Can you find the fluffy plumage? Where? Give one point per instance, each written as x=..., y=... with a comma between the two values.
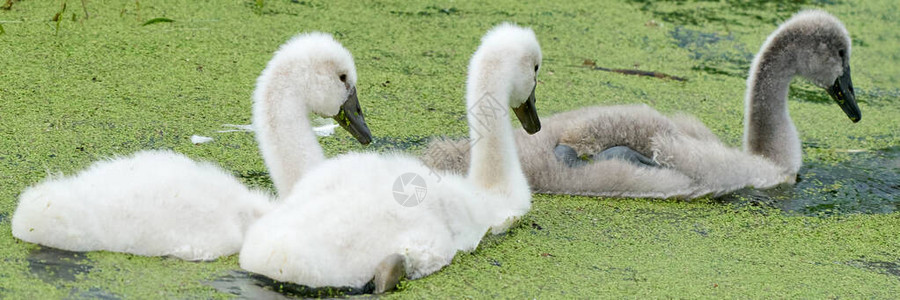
x=162, y=203
x=152, y=203
x=694, y=161
x=812, y=44
x=302, y=78
x=342, y=219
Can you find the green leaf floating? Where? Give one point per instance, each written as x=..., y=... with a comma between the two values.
x=158, y=20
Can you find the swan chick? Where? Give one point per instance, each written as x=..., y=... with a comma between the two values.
x=151, y=203
x=309, y=74
x=349, y=221
x=812, y=44
x=634, y=151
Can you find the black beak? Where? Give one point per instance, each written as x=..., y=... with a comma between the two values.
x=842, y=93
x=527, y=115
x=351, y=119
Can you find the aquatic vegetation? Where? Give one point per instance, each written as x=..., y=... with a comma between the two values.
x=106, y=85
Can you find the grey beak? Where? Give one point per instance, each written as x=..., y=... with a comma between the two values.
x=842, y=93
x=527, y=115
x=351, y=118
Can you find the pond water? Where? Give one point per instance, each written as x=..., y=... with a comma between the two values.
x=868, y=182
x=56, y=267
x=253, y=286
x=51, y=265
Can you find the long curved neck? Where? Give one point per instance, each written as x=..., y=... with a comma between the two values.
x=768, y=129
x=285, y=136
x=494, y=164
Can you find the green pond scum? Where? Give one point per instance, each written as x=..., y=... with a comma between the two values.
x=86, y=80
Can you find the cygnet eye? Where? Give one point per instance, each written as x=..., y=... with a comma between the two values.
x=841, y=53
x=343, y=77
x=536, y=68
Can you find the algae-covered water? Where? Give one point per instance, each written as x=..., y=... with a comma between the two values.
x=88, y=80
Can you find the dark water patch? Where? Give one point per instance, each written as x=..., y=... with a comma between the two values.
x=877, y=96
x=716, y=53
x=504, y=13
x=254, y=286
x=811, y=93
x=871, y=138
x=260, y=8
x=429, y=11
x=626, y=274
x=378, y=144
x=867, y=182
x=728, y=13
x=686, y=38
x=721, y=54
x=702, y=231
x=91, y=293
x=310, y=4
x=673, y=218
x=405, y=143
x=52, y=265
x=259, y=179
x=883, y=267
x=872, y=96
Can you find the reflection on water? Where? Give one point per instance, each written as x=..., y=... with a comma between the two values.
x=51, y=264
x=238, y=283
x=254, y=286
x=54, y=265
x=883, y=267
x=868, y=182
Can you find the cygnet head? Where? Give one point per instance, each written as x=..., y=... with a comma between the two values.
x=819, y=46
x=514, y=54
x=314, y=70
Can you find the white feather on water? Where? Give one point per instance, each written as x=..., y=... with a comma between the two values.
x=237, y=128
x=321, y=126
x=199, y=139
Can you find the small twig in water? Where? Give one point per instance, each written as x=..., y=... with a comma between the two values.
x=590, y=64
x=137, y=9
x=8, y=5
x=58, y=17
x=640, y=73
x=84, y=7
